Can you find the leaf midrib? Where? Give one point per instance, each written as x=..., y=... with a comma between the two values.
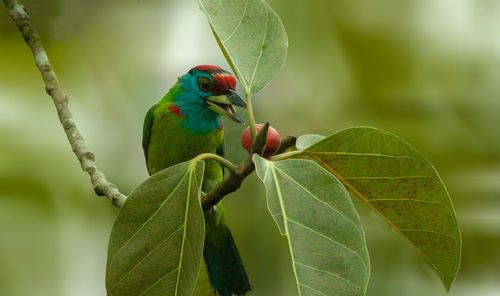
x=285, y=217
x=363, y=154
x=184, y=237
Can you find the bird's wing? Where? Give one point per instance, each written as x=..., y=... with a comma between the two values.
x=221, y=150
x=146, y=131
x=220, y=212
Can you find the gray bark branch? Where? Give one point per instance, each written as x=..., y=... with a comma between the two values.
x=102, y=186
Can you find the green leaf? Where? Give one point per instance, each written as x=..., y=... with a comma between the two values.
x=313, y=209
x=252, y=38
x=401, y=186
x=307, y=140
x=157, y=240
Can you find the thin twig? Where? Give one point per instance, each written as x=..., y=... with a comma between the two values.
x=86, y=158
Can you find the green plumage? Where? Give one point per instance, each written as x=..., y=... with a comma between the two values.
x=166, y=142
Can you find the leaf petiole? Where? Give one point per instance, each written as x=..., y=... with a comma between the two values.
x=285, y=155
x=224, y=162
x=251, y=119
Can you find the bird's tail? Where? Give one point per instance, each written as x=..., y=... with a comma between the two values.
x=225, y=268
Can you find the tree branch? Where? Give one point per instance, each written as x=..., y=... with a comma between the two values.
x=230, y=184
x=102, y=186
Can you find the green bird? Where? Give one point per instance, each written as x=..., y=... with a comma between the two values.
x=183, y=124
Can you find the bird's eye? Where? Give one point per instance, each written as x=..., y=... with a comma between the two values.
x=205, y=84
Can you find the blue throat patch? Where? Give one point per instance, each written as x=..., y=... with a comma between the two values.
x=198, y=118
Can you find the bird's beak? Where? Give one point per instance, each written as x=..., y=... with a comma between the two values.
x=224, y=105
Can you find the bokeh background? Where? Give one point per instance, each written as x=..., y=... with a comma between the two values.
x=427, y=70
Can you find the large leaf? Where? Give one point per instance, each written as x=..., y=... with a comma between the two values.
x=156, y=243
x=313, y=209
x=252, y=38
x=401, y=186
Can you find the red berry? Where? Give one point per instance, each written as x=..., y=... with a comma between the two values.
x=273, y=140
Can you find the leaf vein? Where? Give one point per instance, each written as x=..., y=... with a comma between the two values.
x=156, y=283
x=312, y=289
x=261, y=51
x=430, y=231
x=387, y=145
x=140, y=205
x=215, y=10
x=387, y=178
x=408, y=199
x=150, y=218
x=147, y=255
x=329, y=273
x=190, y=248
x=357, y=140
x=328, y=238
x=265, y=174
x=411, y=219
x=319, y=200
x=363, y=154
x=238, y=25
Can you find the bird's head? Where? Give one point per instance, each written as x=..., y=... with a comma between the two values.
x=213, y=88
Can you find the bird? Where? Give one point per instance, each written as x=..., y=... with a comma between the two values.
x=187, y=122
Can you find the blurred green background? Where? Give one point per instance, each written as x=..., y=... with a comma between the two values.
x=427, y=70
